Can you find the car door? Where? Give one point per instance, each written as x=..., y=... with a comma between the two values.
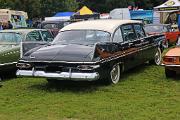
x=148, y=47
x=10, y=48
x=33, y=39
x=142, y=43
x=130, y=46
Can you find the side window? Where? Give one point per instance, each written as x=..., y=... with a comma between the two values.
x=139, y=31
x=34, y=36
x=117, y=36
x=128, y=33
x=47, y=36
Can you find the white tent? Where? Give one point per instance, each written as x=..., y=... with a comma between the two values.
x=169, y=6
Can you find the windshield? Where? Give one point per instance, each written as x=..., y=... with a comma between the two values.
x=47, y=36
x=85, y=37
x=156, y=28
x=10, y=38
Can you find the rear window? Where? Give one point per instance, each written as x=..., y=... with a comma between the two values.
x=10, y=37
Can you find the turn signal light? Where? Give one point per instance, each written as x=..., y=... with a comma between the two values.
x=169, y=59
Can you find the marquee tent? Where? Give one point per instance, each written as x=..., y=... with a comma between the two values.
x=85, y=13
x=60, y=16
x=169, y=6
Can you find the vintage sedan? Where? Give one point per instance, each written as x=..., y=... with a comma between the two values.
x=171, y=61
x=171, y=35
x=92, y=50
x=14, y=43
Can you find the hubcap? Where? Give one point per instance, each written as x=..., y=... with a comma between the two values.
x=158, y=57
x=115, y=74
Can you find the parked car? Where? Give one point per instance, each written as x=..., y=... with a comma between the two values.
x=13, y=44
x=54, y=26
x=92, y=50
x=166, y=29
x=171, y=61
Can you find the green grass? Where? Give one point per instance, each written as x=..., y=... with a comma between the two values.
x=142, y=94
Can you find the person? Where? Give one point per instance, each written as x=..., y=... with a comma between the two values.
x=10, y=25
x=179, y=21
x=1, y=26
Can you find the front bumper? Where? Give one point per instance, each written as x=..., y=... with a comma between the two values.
x=60, y=76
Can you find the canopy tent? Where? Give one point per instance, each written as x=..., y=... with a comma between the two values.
x=63, y=14
x=169, y=6
x=85, y=13
x=60, y=16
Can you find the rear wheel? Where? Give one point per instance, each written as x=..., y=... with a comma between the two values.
x=114, y=74
x=169, y=73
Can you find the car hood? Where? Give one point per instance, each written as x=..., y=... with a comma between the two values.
x=70, y=53
x=173, y=52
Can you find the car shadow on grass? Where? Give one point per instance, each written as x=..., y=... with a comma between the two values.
x=66, y=86
x=84, y=86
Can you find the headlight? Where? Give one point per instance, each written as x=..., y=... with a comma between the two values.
x=23, y=65
x=88, y=67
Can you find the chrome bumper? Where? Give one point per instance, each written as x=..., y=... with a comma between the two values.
x=166, y=65
x=60, y=76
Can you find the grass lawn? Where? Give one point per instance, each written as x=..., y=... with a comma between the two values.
x=142, y=94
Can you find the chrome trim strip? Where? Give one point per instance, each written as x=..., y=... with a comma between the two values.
x=8, y=63
x=170, y=65
x=59, y=62
x=60, y=76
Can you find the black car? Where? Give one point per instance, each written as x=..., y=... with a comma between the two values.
x=92, y=50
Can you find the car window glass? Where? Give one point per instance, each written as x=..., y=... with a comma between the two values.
x=139, y=31
x=47, y=36
x=34, y=36
x=10, y=38
x=128, y=33
x=82, y=37
x=96, y=36
x=118, y=36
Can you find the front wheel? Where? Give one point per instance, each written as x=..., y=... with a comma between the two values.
x=115, y=74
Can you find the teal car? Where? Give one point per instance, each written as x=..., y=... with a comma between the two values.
x=15, y=43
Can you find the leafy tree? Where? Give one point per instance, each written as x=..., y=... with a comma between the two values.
x=42, y=8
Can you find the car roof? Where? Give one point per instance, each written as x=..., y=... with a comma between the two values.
x=23, y=31
x=105, y=25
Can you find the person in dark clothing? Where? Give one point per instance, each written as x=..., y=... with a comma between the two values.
x=10, y=25
x=179, y=21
